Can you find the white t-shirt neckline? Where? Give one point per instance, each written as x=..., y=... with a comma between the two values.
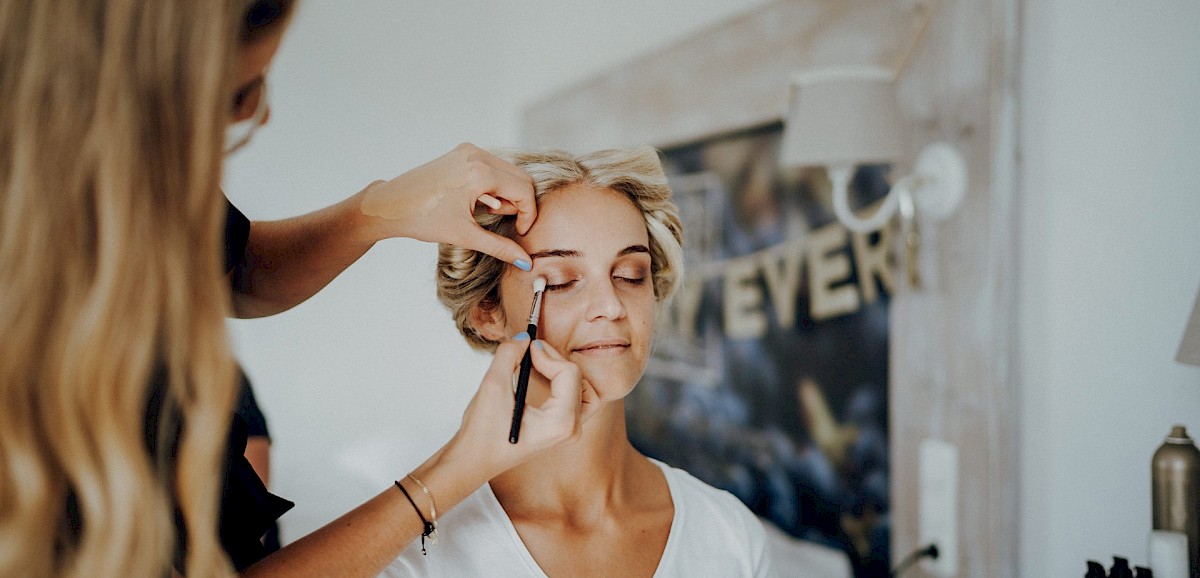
x=712, y=534
x=496, y=511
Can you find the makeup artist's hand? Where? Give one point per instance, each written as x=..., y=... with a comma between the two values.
x=483, y=437
x=435, y=202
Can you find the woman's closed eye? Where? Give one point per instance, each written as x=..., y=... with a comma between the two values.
x=632, y=275
x=634, y=280
x=555, y=285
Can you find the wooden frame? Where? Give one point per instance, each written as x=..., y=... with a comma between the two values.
x=953, y=341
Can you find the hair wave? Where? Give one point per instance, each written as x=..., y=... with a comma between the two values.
x=111, y=280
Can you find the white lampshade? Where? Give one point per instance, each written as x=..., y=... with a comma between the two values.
x=842, y=116
x=1189, y=349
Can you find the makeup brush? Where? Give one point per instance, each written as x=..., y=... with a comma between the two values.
x=539, y=287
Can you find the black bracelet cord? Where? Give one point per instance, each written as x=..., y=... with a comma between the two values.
x=429, y=527
x=930, y=551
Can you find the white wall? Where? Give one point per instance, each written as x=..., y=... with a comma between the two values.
x=366, y=379
x=1109, y=268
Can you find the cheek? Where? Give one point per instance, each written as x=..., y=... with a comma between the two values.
x=642, y=311
x=557, y=322
x=515, y=301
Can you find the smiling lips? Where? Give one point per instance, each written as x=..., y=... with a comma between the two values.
x=603, y=346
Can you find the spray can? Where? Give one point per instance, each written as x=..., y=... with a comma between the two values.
x=1175, y=482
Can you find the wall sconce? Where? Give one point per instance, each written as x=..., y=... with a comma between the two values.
x=842, y=117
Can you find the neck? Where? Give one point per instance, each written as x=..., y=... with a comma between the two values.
x=590, y=473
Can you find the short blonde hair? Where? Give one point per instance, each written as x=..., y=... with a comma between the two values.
x=467, y=279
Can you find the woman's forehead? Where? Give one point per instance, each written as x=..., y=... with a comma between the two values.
x=585, y=214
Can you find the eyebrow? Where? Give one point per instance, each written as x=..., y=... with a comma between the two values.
x=573, y=253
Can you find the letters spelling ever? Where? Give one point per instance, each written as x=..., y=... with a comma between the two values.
x=820, y=262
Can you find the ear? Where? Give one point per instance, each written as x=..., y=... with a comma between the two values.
x=488, y=319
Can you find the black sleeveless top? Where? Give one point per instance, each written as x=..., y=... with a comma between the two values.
x=248, y=510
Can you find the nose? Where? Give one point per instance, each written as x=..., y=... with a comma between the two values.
x=604, y=302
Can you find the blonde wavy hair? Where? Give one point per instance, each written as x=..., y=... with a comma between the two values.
x=467, y=279
x=111, y=220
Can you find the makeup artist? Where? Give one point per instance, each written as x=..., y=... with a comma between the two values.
x=116, y=381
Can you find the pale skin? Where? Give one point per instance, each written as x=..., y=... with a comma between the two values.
x=288, y=261
x=594, y=506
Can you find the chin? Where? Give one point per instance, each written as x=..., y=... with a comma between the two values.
x=610, y=387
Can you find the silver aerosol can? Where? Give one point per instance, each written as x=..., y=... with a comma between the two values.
x=1175, y=481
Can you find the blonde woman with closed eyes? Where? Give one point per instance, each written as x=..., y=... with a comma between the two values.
x=607, y=242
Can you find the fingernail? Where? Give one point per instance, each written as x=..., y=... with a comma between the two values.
x=490, y=201
x=523, y=264
x=538, y=343
x=522, y=336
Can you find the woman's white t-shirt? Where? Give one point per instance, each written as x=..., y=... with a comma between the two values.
x=712, y=534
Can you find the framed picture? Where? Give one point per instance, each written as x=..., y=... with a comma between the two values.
x=769, y=373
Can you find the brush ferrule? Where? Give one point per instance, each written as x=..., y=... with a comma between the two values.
x=536, y=310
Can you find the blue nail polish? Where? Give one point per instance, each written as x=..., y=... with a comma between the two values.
x=538, y=343
x=523, y=265
x=522, y=336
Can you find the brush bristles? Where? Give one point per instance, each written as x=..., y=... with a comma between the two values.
x=539, y=284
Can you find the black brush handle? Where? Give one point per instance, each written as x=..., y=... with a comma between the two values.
x=514, y=432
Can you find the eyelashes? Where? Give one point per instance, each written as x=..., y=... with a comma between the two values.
x=634, y=281
x=627, y=273
x=559, y=286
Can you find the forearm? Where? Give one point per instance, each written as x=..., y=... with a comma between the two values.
x=291, y=260
x=288, y=261
x=362, y=542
